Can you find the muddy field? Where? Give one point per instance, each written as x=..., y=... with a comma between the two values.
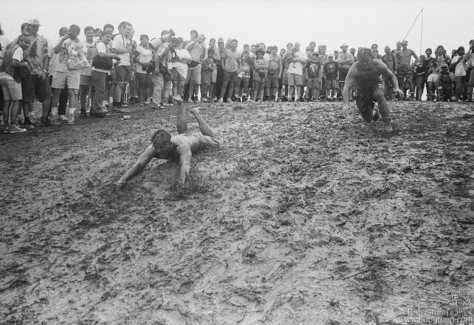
x=301, y=217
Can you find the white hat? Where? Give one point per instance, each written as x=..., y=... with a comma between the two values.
x=344, y=45
x=34, y=22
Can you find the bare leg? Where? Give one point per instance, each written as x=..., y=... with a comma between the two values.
x=205, y=129
x=6, y=112
x=181, y=124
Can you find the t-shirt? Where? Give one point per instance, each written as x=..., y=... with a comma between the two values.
x=69, y=49
x=459, y=69
x=331, y=69
x=297, y=67
x=90, y=51
x=40, y=45
x=3, y=45
x=17, y=55
x=101, y=48
x=121, y=43
x=313, y=68
x=231, y=60
x=197, y=51
x=145, y=56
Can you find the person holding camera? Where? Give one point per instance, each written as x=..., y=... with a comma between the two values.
x=144, y=55
x=68, y=48
x=122, y=45
x=101, y=66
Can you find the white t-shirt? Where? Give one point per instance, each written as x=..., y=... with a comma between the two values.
x=145, y=56
x=101, y=48
x=4, y=41
x=297, y=67
x=120, y=43
x=89, y=49
x=17, y=55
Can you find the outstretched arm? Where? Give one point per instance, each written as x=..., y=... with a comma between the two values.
x=347, y=89
x=139, y=165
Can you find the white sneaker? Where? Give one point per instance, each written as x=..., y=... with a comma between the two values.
x=221, y=100
x=63, y=117
x=177, y=98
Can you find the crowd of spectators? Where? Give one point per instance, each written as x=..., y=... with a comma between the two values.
x=108, y=71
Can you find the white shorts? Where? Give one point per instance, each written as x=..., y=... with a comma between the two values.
x=433, y=77
x=71, y=78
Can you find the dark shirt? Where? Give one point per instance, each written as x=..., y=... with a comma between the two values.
x=331, y=69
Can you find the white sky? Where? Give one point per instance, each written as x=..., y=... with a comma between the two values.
x=274, y=22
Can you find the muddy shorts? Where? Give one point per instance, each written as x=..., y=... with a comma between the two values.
x=404, y=71
x=366, y=100
x=11, y=89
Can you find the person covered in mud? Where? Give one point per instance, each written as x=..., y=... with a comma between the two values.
x=175, y=148
x=366, y=76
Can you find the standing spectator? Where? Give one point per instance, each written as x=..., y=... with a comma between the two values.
x=179, y=60
x=419, y=71
x=375, y=52
x=468, y=60
x=313, y=87
x=391, y=63
x=331, y=71
x=212, y=45
x=25, y=29
x=245, y=67
x=231, y=66
x=63, y=96
x=275, y=68
x=353, y=52
x=198, y=51
x=162, y=57
x=261, y=66
x=143, y=77
x=206, y=76
x=284, y=77
x=86, y=75
x=295, y=72
x=97, y=32
x=220, y=68
x=101, y=66
x=345, y=61
x=10, y=84
x=122, y=46
x=37, y=84
x=404, y=72
x=3, y=47
x=441, y=56
x=68, y=47
x=459, y=71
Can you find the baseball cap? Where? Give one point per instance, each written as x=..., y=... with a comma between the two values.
x=443, y=65
x=405, y=42
x=344, y=45
x=34, y=22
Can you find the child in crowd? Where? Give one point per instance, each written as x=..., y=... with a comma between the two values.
x=86, y=76
x=331, y=71
x=313, y=87
x=244, y=74
x=144, y=55
x=459, y=71
x=206, y=75
x=261, y=66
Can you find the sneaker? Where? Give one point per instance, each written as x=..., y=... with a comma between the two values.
x=119, y=109
x=63, y=117
x=177, y=98
x=220, y=101
x=15, y=129
x=53, y=120
x=29, y=125
x=376, y=116
x=147, y=103
x=5, y=128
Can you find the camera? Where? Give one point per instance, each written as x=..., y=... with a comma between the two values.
x=71, y=35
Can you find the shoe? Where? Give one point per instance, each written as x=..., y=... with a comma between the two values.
x=220, y=101
x=301, y=99
x=29, y=125
x=146, y=103
x=70, y=119
x=53, y=120
x=63, y=117
x=98, y=112
x=177, y=98
x=15, y=129
x=119, y=109
x=154, y=106
x=5, y=128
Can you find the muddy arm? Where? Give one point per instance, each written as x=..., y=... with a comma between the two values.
x=139, y=165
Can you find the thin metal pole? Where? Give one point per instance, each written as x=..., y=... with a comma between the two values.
x=421, y=44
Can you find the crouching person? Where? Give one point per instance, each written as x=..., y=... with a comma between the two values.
x=444, y=84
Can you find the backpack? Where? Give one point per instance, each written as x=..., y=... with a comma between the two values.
x=101, y=62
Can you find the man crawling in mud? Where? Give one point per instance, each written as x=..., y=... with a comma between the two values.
x=176, y=148
x=366, y=76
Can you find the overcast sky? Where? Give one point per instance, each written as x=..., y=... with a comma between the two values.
x=274, y=22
